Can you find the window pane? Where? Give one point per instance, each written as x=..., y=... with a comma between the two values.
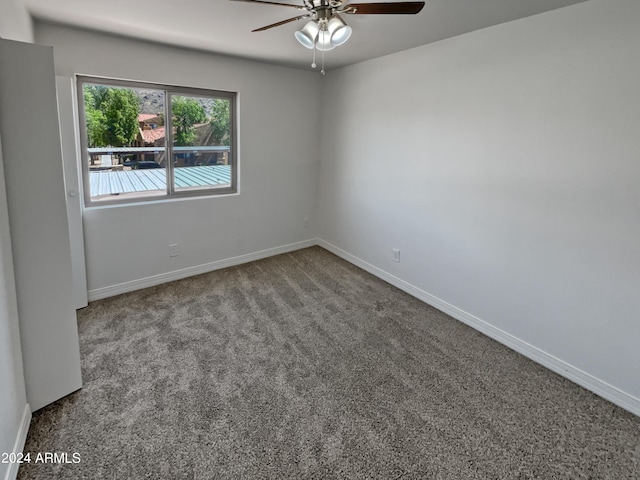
x=125, y=137
x=131, y=152
x=201, y=127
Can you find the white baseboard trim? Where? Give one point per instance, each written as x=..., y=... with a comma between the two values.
x=584, y=379
x=21, y=438
x=154, y=280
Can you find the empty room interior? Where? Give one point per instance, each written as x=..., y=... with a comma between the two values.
x=418, y=257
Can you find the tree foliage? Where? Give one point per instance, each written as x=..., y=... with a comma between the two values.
x=96, y=121
x=186, y=113
x=111, y=116
x=220, y=122
x=97, y=94
x=120, y=108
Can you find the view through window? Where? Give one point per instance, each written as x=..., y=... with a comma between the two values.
x=145, y=141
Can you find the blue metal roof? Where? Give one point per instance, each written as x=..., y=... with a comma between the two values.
x=108, y=182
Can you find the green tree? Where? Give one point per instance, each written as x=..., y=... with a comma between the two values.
x=96, y=121
x=96, y=128
x=220, y=122
x=186, y=113
x=111, y=116
x=97, y=94
x=120, y=108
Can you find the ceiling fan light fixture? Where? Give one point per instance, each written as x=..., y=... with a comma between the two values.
x=307, y=35
x=323, y=43
x=327, y=30
x=339, y=31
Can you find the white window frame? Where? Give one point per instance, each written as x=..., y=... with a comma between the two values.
x=169, y=91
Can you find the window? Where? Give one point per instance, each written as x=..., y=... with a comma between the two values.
x=144, y=141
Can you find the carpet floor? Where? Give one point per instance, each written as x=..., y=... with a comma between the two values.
x=304, y=366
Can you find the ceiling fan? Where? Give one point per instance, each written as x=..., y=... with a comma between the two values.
x=327, y=29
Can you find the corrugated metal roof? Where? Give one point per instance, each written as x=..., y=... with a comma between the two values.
x=128, y=181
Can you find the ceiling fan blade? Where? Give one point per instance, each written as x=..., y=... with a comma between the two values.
x=283, y=22
x=298, y=7
x=398, y=8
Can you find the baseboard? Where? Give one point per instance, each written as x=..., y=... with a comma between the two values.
x=154, y=280
x=21, y=438
x=584, y=379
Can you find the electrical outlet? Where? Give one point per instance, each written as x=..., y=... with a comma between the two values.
x=306, y=222
x=396, y=255
x=173, y=250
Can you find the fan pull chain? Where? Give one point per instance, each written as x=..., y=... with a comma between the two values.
x=323, y=43
x=313, y=64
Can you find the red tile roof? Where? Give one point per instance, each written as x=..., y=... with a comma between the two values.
x=143, y=117
x=151, y=136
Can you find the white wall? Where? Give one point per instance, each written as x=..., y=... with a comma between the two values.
x=279, y=120
x=505, y=165
x=15, y=24
x=15, y=21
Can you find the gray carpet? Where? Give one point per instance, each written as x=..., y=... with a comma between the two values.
x=304, y=366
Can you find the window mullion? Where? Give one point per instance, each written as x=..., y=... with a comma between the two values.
x=168, y=139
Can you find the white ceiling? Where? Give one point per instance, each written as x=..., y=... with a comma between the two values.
x=223, y=26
